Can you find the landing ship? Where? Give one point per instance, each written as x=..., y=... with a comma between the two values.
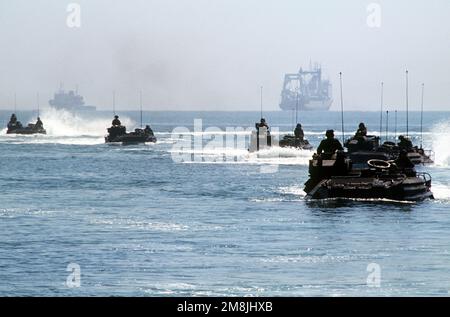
x=306, y=90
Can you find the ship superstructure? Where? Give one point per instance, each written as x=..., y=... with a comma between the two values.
x=69, y=100
x=306, y=90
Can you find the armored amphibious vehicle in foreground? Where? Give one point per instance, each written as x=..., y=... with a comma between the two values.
x=336, y=177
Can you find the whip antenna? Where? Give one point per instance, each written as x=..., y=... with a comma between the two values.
x=387, y=124
x=140, y=104
x=261, y=104
x=421, y=118
x=407, y=106
x=342, y=108
x=37, y=101
x=381, y=111
x=395, y=125
x=114, y=102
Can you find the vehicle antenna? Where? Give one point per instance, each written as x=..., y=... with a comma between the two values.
x=342, y=108
x=387, y=124
x=421, y=117
x=395, y=128
x=261, y=101
x=140, y=103
x=114, y=102
x=381, y=111
x=37, y=101
x=407, y=106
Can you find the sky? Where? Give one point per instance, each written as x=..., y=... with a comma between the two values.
x=216, y=54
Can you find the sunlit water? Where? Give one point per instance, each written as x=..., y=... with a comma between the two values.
x=140, y=223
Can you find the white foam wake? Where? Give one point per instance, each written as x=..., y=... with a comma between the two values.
x=65, y=123
x=440, y=191
x=227, y=155
x=440, y=143
x=64, y=127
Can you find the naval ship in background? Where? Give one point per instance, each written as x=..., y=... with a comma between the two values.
x=306, y=90
x=69, y=100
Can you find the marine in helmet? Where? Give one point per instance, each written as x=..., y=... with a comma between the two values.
x=13, y=123
x=116, y=122
x=148, y=130
x=13, y=119
x=403, y=161
x=329, y=145
x=262, y=123
x=362, y=131
x=39, y=124
x=298, y=132
x=404, y=143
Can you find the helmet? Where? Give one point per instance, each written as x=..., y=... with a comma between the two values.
x=116, y=117
x=361, y=125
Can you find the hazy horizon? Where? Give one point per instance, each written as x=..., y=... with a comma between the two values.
x=214, y=55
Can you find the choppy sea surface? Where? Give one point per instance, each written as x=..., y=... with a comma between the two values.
x=207, y=217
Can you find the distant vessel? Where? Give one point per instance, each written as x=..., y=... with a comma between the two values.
x=69, y=100
x=306, y=90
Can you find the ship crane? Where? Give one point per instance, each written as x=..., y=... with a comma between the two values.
x=307, y=89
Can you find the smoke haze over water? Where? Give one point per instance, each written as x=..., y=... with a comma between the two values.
x=214, y=55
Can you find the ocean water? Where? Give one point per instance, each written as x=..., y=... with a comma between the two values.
x=204, y=219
